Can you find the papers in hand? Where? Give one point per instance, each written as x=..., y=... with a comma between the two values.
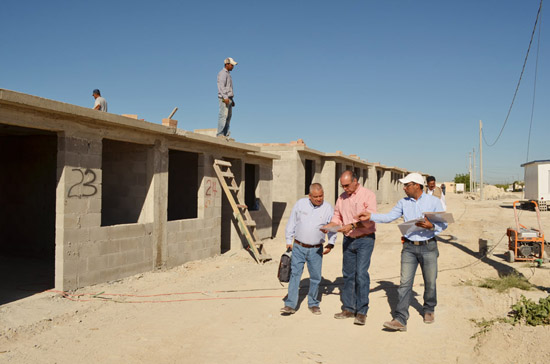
x=333, y=229
x=439, y=217
x=410, y=227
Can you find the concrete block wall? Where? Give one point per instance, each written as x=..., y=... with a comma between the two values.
x=328, y=179
x=396, y=190
x=86, y=252
x=370, y=183
x=198, y=238
x=263, y=216
x=285, y=187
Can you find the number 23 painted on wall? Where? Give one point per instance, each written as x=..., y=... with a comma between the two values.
x=87, y=177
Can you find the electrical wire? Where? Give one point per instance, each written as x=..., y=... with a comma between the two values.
x=519, y=81
x=534, y=91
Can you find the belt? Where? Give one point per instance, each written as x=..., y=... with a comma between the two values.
x=423, y=242
x=307, y=245
x=371, y=235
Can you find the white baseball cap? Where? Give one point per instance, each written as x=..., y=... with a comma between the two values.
x=230, y=60
x=413, y=177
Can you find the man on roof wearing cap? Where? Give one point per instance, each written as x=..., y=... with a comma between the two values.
x=225, y=97
x=419, y=247
x=100, y=103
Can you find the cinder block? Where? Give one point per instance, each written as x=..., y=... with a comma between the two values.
x=68, y=221
x=127, y=231
x=90, y=220
x=132, y=257
x=129, y=244
x=115, y=260
x=171, y=238
x=75, y=236
x=109, y=247
x=173, y=226
x=71, y=159
x=96, y=148
x=99, y=233
x=75, y=205
x=70, y=267
x=97, y=263
x=92, y=161
x=111, y=274
x=94, y=204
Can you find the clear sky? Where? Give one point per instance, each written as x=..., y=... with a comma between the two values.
x=401, y=82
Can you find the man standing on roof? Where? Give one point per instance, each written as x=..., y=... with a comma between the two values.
x=100, y=103
x=419, y=248
x=225, y=97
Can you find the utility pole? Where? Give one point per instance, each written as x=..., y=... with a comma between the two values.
x=480, y=161
x=474, y=171
x=470, y=171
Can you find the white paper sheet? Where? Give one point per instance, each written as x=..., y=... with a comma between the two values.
x=409, y=227
x=334, y=229
x=440, y=217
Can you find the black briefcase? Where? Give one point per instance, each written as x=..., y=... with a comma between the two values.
x=284, y=267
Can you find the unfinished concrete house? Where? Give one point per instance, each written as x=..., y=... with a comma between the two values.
x=298, y=166
x=89, y=197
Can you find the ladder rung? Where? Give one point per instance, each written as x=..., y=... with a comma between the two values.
x=250, y=223
x=244, y=207
x=228, y=174
x=264, y=257
x=231, y=188
x=222, y=163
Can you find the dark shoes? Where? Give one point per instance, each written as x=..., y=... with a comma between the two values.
x=315, y=310
x=395, y=325
x=429, y=318
x=360, y=319
x=287, y=310
x=344, y=315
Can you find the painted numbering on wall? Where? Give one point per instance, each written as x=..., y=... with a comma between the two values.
x=87, y=177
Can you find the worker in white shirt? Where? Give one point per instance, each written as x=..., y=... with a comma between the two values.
x=432, y=189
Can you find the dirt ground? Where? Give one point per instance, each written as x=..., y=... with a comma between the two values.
x=226, y=309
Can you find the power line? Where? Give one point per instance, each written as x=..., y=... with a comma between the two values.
x=519, y=81
x=534, y=92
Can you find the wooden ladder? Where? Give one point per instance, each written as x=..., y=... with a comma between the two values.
x=246, y=224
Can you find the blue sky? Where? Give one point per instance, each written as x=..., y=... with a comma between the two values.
x=403, y=83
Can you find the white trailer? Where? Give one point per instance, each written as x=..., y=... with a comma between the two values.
x=537, y=182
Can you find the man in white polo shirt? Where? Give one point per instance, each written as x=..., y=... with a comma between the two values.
x=100, y=103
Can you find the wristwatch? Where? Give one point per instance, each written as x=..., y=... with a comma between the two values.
x=353, y=225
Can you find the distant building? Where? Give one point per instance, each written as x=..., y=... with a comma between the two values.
x=537, y=180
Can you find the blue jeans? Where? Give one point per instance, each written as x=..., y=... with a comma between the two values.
x=411, y=256
x=355, y=269
x=224, y=118
x=314, y=259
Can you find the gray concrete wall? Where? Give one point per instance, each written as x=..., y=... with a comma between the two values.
x=286, y=188
x=329, y=181
x=104, y=164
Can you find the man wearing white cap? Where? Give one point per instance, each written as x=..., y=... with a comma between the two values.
x=225, y=97
x=419, y=248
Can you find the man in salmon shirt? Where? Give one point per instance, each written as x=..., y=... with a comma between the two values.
x=357, y=247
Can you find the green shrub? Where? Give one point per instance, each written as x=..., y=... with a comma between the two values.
x=534, y=314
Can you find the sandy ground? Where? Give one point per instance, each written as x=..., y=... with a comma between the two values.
x=226, y=309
